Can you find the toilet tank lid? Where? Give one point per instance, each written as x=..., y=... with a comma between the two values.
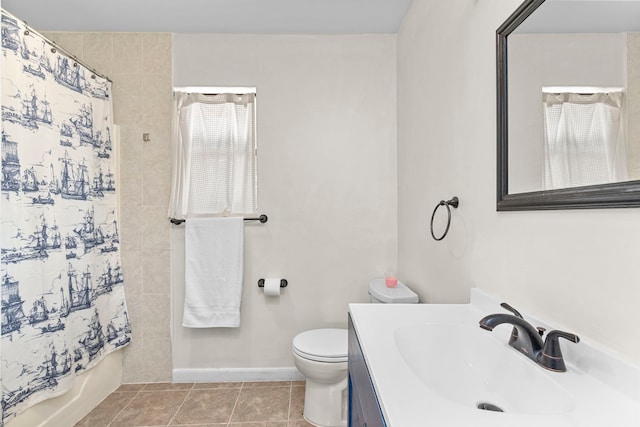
x=400, y=294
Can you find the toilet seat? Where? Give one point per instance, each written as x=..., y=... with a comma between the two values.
x=322, y=345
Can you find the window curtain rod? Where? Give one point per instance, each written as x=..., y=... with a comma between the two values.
x=54, y=47
x=216, y=94
x=223, y=93
x=216, y=90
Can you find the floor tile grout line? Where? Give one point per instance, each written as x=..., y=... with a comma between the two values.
x=181, y=404
x=290, y=398
x=235, y=404
x=124, y=407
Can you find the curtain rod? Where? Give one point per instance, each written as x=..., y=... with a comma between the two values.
x=217, y=90
x=221, y=93
x=54, y=47
x=216, y=94
x=224, y=93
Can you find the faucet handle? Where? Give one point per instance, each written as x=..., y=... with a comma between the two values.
x=551, y=355
x=511, y=309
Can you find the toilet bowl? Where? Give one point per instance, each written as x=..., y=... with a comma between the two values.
x=321, y=356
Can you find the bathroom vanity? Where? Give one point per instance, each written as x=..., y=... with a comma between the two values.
x=432, y=364
x=364, y=409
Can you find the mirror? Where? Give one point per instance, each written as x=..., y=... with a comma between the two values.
x=568, y=98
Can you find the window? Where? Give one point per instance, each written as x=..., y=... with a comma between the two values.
x=215, y=154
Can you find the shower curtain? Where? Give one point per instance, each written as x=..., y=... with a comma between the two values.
x=63, y=305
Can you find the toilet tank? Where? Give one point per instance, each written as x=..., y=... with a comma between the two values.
x=401, y=294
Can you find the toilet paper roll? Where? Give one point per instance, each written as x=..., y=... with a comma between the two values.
x=272, y=287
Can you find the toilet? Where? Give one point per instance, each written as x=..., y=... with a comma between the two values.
x=321, y=356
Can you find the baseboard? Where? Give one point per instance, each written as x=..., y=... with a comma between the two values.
x=236, y=375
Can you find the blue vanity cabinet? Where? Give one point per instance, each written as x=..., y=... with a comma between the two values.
x=364, y=410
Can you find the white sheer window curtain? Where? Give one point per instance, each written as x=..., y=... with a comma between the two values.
x=584, y=139
x=214, y=155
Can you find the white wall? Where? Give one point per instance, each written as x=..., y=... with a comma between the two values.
x=326, y=108
x=579, y=269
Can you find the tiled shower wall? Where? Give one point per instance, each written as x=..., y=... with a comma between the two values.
x=139, y=64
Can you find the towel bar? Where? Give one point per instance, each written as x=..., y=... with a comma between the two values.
x=262, y=218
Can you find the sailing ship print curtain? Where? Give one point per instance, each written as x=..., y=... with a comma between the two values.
x=63, y=306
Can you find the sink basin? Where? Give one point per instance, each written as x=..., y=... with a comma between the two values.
x=468, y=366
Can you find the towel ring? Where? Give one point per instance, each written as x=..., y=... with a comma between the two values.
x=453, y=202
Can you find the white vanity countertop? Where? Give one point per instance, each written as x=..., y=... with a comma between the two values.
x=606, y=391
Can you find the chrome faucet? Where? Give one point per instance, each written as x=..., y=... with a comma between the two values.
x=528, y=340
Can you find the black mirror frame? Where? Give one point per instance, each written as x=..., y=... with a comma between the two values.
x=618, y=195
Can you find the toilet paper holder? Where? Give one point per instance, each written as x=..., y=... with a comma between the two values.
x=283, y=283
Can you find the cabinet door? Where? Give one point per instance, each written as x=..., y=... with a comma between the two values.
x=356, y=412
x=364, y=409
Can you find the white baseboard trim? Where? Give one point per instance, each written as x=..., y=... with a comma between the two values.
x=214, y=375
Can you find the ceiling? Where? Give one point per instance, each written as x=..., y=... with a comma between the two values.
x=227, y=16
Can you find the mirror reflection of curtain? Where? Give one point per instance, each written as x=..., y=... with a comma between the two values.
x=584, y=139
x=214, y=155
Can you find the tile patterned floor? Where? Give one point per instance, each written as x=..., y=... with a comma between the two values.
x=248, y=404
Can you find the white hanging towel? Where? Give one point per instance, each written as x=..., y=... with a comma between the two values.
x=213, y=272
